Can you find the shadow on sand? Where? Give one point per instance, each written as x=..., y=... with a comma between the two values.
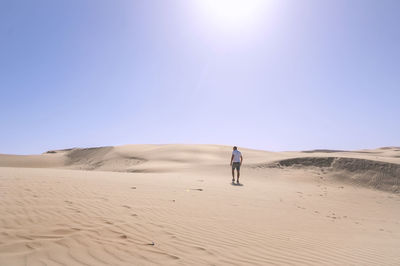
x=237, y=184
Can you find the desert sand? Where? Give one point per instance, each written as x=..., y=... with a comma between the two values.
x=175, y=205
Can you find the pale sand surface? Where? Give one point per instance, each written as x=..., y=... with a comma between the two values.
x=175, y=205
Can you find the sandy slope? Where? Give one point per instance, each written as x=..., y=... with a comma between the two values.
x=174, y=205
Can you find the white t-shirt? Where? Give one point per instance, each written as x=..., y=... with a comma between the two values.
x=236, y=156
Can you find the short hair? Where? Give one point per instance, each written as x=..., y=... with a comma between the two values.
x=234, y=147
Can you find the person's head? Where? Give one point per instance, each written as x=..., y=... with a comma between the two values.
x=234, y=148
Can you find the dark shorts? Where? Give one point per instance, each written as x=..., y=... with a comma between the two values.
x=236, y=165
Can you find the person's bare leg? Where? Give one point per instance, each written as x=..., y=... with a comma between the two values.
x=233, y=174
x=238, y=175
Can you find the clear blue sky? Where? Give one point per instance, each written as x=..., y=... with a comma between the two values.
x=275, y=75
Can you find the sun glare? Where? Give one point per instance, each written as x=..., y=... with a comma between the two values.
x=232, y=13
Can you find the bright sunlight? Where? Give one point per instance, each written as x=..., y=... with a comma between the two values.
x=232, y=14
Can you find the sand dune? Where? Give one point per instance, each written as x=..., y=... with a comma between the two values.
x=174, y=205
x=374, y=174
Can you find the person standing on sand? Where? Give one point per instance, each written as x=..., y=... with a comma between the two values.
x=236, y=162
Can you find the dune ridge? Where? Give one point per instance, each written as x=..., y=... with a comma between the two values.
x=375, y=174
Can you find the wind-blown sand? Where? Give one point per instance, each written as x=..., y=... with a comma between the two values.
x=175, y=205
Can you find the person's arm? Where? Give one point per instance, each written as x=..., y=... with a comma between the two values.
x=231, y=159
x=241, y=160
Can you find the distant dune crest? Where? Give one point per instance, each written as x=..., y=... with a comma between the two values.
x=376, y=174
x=379, y=168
